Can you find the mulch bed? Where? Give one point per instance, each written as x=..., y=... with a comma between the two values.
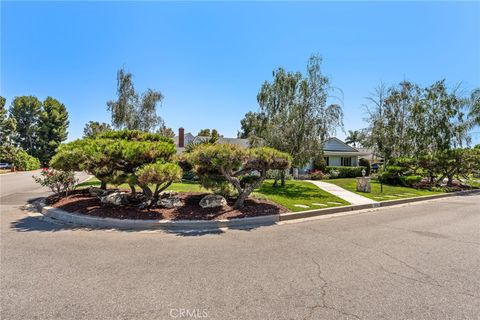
x=81, y=202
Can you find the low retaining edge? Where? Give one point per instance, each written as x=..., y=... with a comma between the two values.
x=241, y=223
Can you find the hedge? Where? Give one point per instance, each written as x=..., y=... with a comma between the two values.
x=345, y=172
x=25, y=162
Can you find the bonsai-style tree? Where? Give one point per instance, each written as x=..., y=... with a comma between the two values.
x=160, y=174
x=244, y=169
x=128, y=156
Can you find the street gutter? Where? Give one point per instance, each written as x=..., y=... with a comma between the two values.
x=204, y=226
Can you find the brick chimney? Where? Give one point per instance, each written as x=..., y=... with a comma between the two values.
x=181, y=137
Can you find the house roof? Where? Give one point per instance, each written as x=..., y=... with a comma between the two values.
x=222, y=140
x=335, y=144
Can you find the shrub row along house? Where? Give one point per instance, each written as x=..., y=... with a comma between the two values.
x=336, y=152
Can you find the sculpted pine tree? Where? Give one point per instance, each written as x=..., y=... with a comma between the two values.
x=244, y=169
x=129, y=156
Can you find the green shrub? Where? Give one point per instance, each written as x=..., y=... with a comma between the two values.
x=24, y=161
x=362, y=162
x=60, y=182
x=317, y=175
x=409, y=181
x=344, y=172
x=320, y=164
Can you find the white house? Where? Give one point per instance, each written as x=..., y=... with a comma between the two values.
x=337, y=153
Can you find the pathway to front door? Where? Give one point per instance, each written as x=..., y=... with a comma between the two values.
x=346, y=195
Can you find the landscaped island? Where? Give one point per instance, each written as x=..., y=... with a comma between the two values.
x=138, y=176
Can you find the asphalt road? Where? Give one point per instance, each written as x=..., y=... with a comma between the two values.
x=414, y=262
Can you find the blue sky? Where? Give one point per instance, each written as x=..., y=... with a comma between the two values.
x=209, y=59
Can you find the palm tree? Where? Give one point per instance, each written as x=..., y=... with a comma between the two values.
x=474, y=114
x=353, y=137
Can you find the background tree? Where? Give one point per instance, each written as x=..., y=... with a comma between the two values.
x=25, y=111
x=213, y=133
x=251, y=128
x=474, y=112
x=7, y=124
x=166, y=132
x=133, y=111
x=204, y=133
x=92, y=128
x=52, y=128
x=353, y=137
x=409, y=121
x=294, y=115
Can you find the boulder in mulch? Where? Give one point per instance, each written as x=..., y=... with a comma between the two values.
x=115, y=198
x=213, y=201
x=171, y=202
x=96, y=192
x=168, y=194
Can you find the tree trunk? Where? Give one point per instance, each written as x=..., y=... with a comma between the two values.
x=243, y=195
x=282, y=178
x=146, y=191
x=241, y=200
x=450, y=181
x=133, y=190
x=103, y=185
x=159, y=189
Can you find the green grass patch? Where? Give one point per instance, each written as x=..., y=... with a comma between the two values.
x=293, y=193
x=298, y=192
x=389, y=192
x=176, y=186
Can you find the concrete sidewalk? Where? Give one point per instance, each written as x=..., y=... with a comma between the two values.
x=346, y=195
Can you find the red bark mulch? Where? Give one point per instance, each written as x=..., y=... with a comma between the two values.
x=81, y=202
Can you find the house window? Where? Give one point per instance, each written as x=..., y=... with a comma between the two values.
x=327, y=161
x=346, y=161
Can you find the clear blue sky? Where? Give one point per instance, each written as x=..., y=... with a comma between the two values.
x=209, y=59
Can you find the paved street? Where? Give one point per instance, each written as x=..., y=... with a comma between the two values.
x=414, y=262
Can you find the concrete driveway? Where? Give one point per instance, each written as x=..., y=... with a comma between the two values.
x=413, y=262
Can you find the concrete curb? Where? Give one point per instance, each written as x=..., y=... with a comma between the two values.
x=202, y=226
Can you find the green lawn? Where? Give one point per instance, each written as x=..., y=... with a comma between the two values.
x=294, y=193
x=298, y=192
x=389, y=192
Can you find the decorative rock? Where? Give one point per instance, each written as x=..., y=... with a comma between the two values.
x=213, y=201
x=116, y=198
x=333, y=202
x=168, y=194
x=170, y=203
x=96, y=192
x=319, y=204
x=145, y=204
